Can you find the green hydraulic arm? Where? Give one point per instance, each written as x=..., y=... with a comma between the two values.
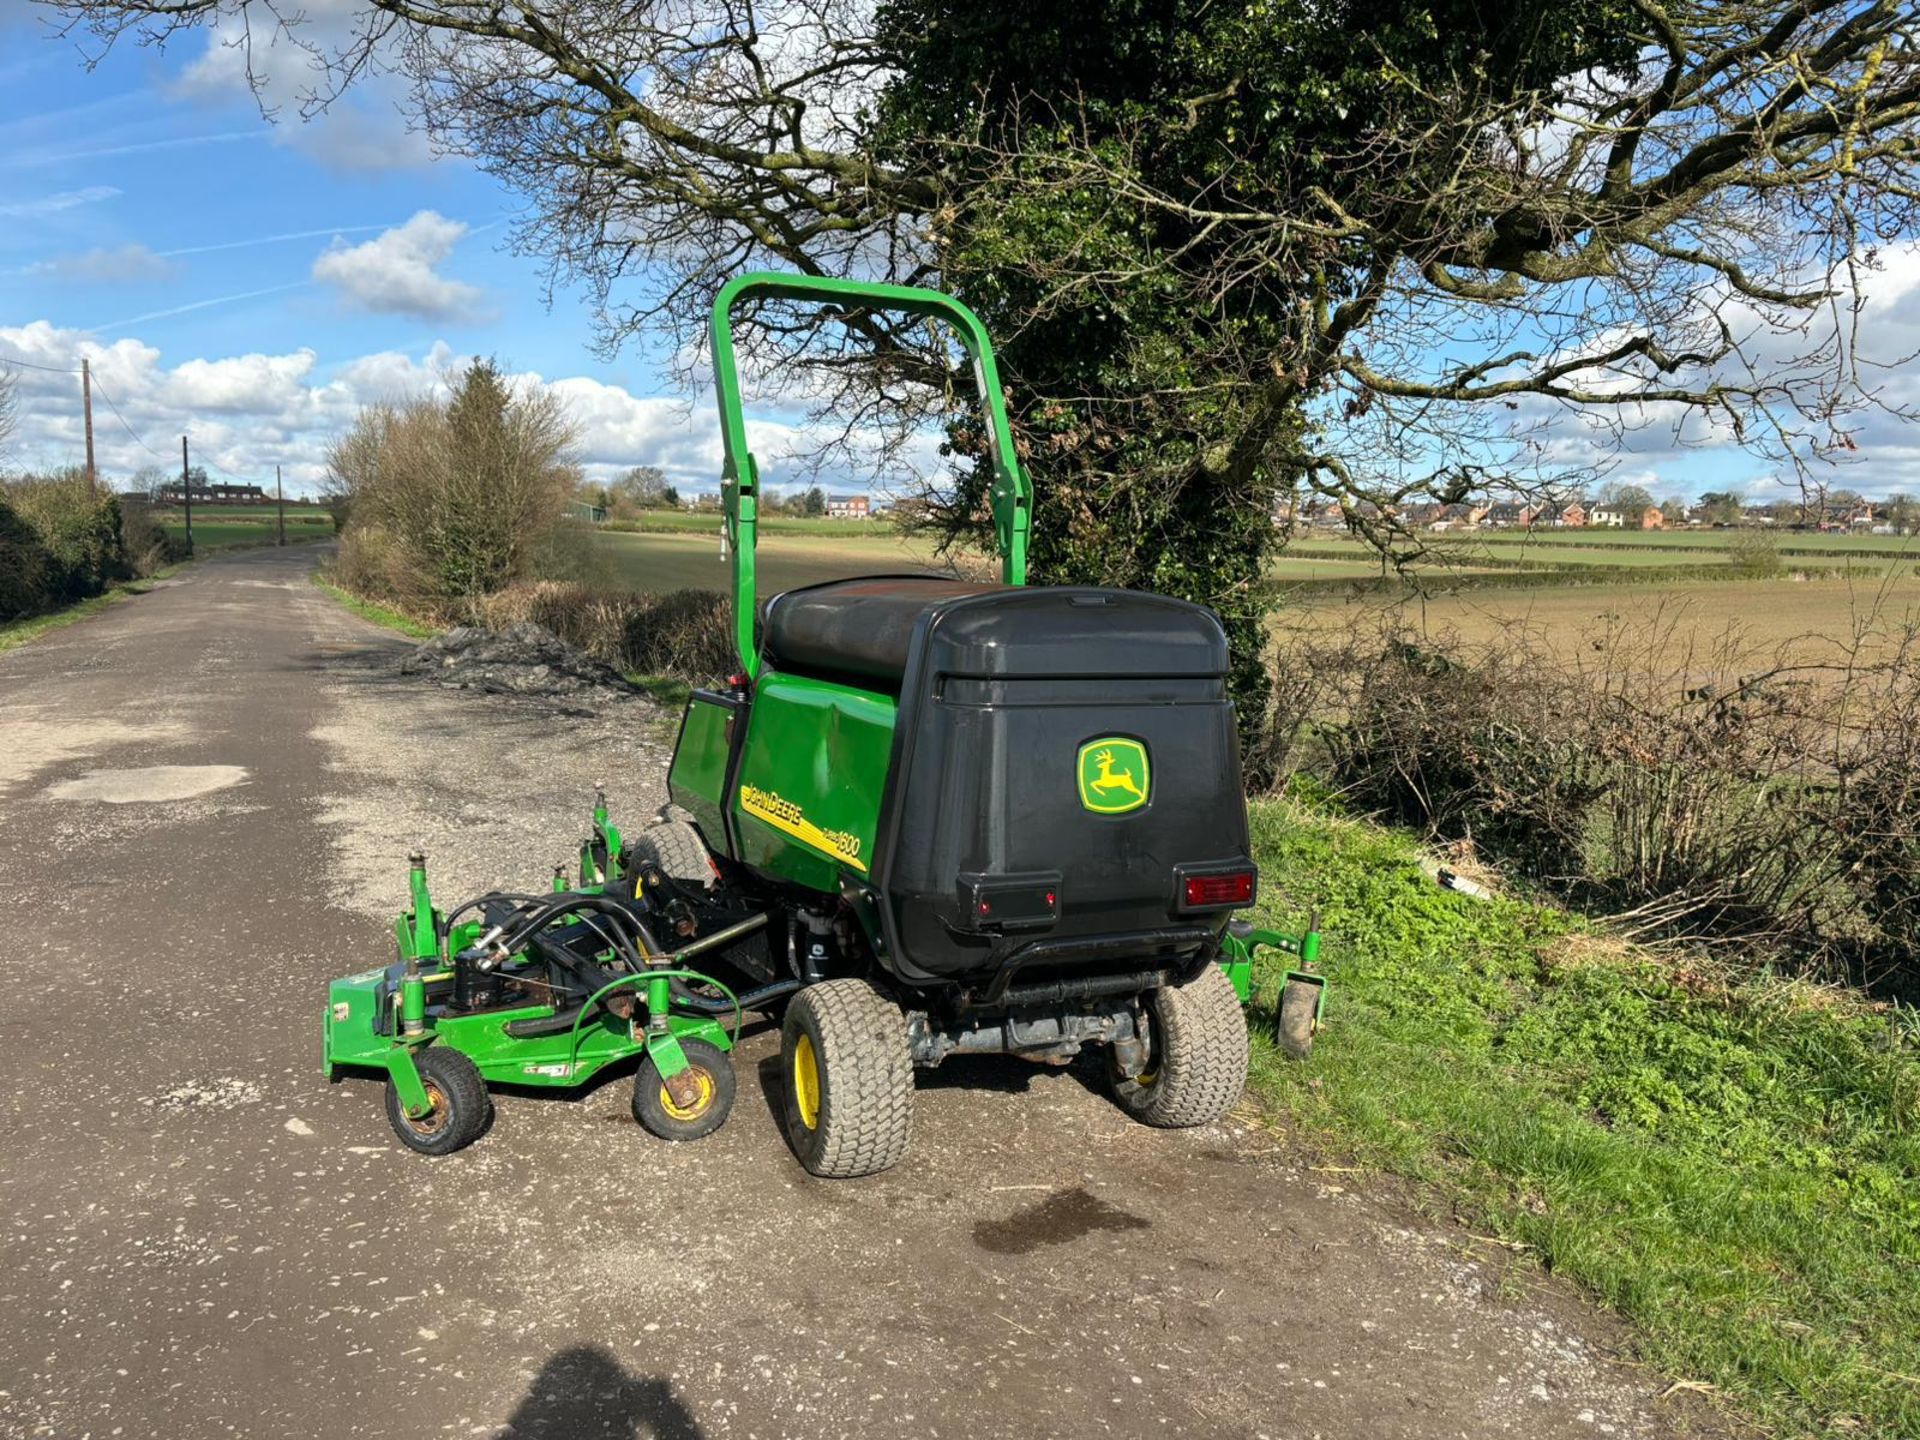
x=1012, y=494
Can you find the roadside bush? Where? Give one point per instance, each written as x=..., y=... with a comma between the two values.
x=461, y=492
x=24, y=565
x=149, y=546
x=58, y=543
x=1754, y=555
x=685, y=634
x=1713, y=794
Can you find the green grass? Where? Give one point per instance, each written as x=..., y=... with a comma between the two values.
x=1731, y=1167
x=16, y=633
x=378, y=614
x=656, y=562
x=220, y=527
x=670, y=521
x=226, y=534
x=669, y=690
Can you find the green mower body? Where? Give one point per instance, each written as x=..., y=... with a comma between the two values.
x=927, y=817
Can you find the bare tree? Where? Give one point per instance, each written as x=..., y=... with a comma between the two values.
x=1720, y=190
x=1447, y=291
x=9, y=409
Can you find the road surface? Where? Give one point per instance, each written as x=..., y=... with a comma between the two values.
x=206, y=799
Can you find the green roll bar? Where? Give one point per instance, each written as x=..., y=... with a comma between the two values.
x=1012, y=495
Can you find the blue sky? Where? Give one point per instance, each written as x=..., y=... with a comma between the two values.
x=253, y=284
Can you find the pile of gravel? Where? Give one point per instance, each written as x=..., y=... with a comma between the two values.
x=522, y=659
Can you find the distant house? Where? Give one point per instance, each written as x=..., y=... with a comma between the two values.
x=590, y=514
x=1571, y=516
x=1619, y=517
x=1510, y=515
x=849, y=507
x=1413, y=517
x=1459, y=517
x=212, y=495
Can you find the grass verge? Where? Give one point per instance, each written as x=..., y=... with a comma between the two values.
x=378, y=614
x=1730, y=1166
x=16, y=633
x=669, y=691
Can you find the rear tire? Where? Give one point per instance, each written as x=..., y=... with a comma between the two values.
x=1197, y=1055
x=674, y=846
x=461, y=1105
x=849, y=1079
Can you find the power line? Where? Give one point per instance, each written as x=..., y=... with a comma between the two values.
x=50, y=369
x=101, y=392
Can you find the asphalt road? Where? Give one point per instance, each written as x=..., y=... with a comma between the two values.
x=206, y=798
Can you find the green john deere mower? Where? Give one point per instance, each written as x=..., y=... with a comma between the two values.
x=926, y=818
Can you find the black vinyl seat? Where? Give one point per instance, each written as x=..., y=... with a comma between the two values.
x=855, y=629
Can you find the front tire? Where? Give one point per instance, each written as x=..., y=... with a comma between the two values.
x=655, y=1109
x=1197, y=1055
x=461, y=1105
x=849, y=1079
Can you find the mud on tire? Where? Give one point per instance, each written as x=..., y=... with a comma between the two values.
x=1197, y=1061
x=849, y=1079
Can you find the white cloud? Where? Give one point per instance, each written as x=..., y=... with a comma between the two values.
x=43, y=205
x=394, y=273
x=247, y=413
x=122, y=264
x=359, y=131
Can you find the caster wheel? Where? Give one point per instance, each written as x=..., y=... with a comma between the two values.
x=461, y=1105
x=1297, y=1004
x=659, y=1114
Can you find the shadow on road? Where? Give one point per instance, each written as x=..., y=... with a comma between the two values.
x=583, y=1394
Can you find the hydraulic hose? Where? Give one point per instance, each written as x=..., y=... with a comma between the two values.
x=749, y=999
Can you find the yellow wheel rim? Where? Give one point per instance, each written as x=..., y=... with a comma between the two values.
x=806, y=1081
x=699, y=1106
x=435, y=1120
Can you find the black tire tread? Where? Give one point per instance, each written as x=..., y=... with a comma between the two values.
x=866, y=1102
x=459, y=1080
x=1297, y=1003
x=676, y=847
x=1202, y=1059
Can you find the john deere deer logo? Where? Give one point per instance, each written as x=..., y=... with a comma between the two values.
x=1114, y=777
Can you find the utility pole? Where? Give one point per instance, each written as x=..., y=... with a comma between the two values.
x=280, y=502
x=186, y=491
x=86, y=405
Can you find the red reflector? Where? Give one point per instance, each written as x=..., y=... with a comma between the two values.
x=1234, y=889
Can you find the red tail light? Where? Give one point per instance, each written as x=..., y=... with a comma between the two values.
x=1232, y=889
